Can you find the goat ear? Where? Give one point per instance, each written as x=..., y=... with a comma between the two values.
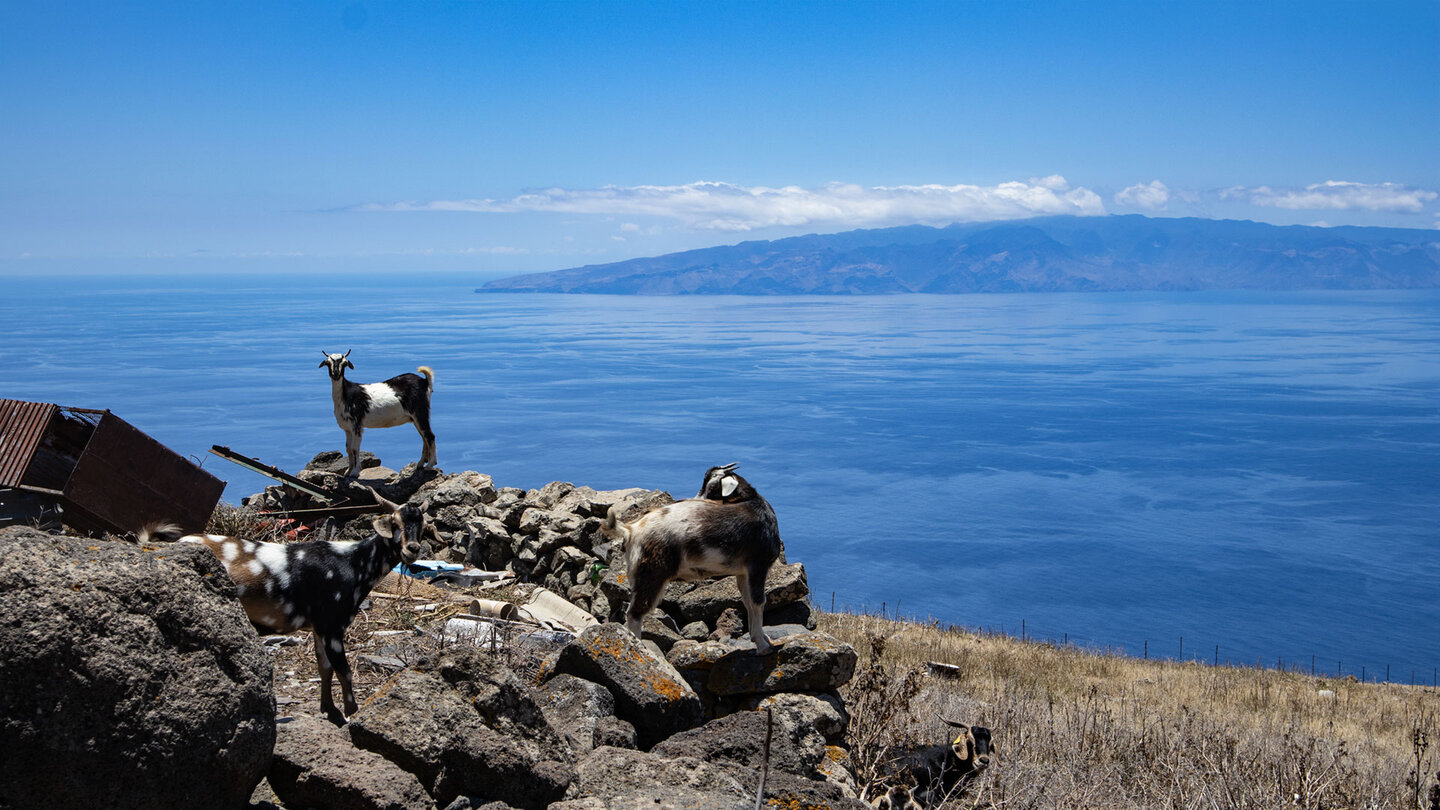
x=384, y=526
x=728, y=485
x=324, y=363
x=349, y=364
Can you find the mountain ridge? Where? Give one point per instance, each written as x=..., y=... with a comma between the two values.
x=1047, y=254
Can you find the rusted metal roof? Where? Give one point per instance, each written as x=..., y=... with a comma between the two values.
x=22, y=425
x=106, y=474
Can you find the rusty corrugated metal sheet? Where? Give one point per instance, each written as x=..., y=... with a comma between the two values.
x=126, y=479
x=22, y=426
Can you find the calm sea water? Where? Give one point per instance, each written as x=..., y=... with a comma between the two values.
x=1255, y=471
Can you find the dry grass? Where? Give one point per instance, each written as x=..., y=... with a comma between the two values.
x=1077, y=729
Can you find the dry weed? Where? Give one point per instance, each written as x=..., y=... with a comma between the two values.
x=1081, y=729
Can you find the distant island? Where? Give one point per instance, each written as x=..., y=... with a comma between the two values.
x=1052, y=254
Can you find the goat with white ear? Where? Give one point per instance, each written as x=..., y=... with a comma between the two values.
x=320, y=584
x=727, y=529
x=396, y=401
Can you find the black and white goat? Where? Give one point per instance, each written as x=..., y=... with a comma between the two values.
x=396, y=401
x=285, y=587
x=728, y=529
x=939, y=773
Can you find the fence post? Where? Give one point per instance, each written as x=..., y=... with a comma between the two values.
x=1217, y=655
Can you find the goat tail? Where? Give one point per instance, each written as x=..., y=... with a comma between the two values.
x=429, y=379
x=160, y=533
x=612, y=527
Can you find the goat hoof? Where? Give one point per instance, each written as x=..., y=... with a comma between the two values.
x=333, y=715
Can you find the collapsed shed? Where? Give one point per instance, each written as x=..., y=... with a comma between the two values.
x=95, y=471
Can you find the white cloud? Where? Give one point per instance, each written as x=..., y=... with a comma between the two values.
x=1341, y=195
x=1054, y=182
x=1152, y=196
x=727, y=207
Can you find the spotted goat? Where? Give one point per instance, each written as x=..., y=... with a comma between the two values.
x=320, y=585
x=397, y=401
x=728, y=528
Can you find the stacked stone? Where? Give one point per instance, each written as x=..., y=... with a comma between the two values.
x=551, y=536
x=688, y=711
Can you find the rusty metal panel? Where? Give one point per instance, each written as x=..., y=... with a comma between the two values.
x=125, y=479
x=22, y=426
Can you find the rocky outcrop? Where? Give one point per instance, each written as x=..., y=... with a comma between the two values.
x=618, y=779
x=584, y=713
x=678, y=719
x=467, y=726
x=548, y=536
x=131, y=678
x=316, y=765
x=649, y=693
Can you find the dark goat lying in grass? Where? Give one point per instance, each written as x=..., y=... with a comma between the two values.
x=285, y=587
x=727, y=529
x=939, y=772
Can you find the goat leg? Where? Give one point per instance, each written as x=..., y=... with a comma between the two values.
x=427, y=440
x=327, y=672
x=752, y=593
x=352, y=449
x=336, y=649
x=648, y=588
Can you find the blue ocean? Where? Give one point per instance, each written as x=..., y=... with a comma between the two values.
x=1257, y=474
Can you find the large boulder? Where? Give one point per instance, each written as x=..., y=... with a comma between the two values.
x=584, y=713
x=648, y=692
x=823, y=711
x=784, y=585
x=131, y=678
x=621, y=779
x=316, y=765
x=804, y=662
x=740, y=739
x=468, y=489
x=616, y=779
x=467, y=726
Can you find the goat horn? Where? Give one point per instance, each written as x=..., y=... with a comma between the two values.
x=388, y=504
x=322, y=351
x=952, y=723
x=347, y=353
x=732, y=465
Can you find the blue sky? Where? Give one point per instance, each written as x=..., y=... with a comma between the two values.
x=509, y=137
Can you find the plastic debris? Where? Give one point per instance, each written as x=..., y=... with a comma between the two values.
x=554, y=612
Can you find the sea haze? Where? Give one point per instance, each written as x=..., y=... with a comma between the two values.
x=1256, y=471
